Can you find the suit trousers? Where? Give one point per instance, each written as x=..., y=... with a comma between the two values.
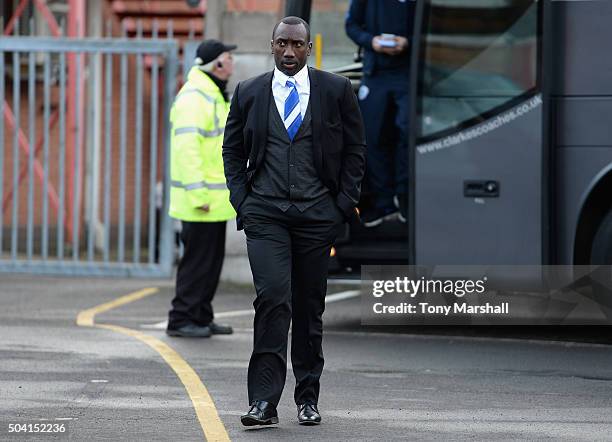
x=289, y=253
x=198, y=273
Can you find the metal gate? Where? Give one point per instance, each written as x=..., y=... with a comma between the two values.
x=84, y=155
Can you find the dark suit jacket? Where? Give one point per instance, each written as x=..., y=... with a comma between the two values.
x=337, y=129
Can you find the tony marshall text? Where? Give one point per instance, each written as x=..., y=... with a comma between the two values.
x=424, y=308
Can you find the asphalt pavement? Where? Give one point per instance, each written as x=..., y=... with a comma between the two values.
x=378, y=384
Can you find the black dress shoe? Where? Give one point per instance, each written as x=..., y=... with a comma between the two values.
x=261, y=413
x=220, y=329
x=308, y=414
x=190, y=331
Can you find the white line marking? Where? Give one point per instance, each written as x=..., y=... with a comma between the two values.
x=234, y=313
x=349, y=294
x=157, y=326
x=339, y=281
x=336, y=297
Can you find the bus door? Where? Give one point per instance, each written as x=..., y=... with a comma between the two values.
x=479, y=154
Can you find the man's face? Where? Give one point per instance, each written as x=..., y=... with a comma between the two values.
x=290, y=48
x=227, y=63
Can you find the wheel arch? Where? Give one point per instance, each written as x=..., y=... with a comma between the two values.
x=596, y=202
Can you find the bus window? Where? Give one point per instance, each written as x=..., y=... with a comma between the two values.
x=327, y=19
x=480, y=57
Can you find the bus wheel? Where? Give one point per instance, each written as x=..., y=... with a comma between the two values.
x=601, y=255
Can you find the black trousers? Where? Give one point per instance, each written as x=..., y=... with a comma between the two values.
x=289, y=254
x=198, y=273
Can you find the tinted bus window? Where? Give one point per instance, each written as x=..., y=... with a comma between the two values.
x=480, y=57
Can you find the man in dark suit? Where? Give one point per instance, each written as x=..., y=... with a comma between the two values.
x=294, y=153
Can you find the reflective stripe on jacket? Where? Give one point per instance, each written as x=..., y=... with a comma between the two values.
x=197, y=120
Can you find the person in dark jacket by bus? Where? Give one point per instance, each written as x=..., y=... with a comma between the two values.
x=383, y=29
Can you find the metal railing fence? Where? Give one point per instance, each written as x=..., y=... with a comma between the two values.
x=84, y=153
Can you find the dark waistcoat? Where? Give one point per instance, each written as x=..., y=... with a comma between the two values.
x=287, y=175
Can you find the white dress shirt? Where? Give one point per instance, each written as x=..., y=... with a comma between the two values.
x=281, y=91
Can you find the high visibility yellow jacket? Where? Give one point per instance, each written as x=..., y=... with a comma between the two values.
x=197, y=120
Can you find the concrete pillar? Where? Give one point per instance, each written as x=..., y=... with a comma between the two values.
x=94, y=125
x=213, y=23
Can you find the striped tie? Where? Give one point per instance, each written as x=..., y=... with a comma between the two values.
x=292, y=117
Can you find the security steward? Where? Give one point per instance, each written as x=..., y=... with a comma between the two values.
x=198, y=195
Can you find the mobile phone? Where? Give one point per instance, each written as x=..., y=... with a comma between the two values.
x=387, y=41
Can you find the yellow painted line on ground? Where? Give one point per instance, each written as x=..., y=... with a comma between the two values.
x=205, y=409
x=86, y=317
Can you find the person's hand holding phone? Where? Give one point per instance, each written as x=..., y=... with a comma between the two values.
x=389, y=44
x=401, y=44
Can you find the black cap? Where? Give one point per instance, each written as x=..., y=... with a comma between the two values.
x=210, y=50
